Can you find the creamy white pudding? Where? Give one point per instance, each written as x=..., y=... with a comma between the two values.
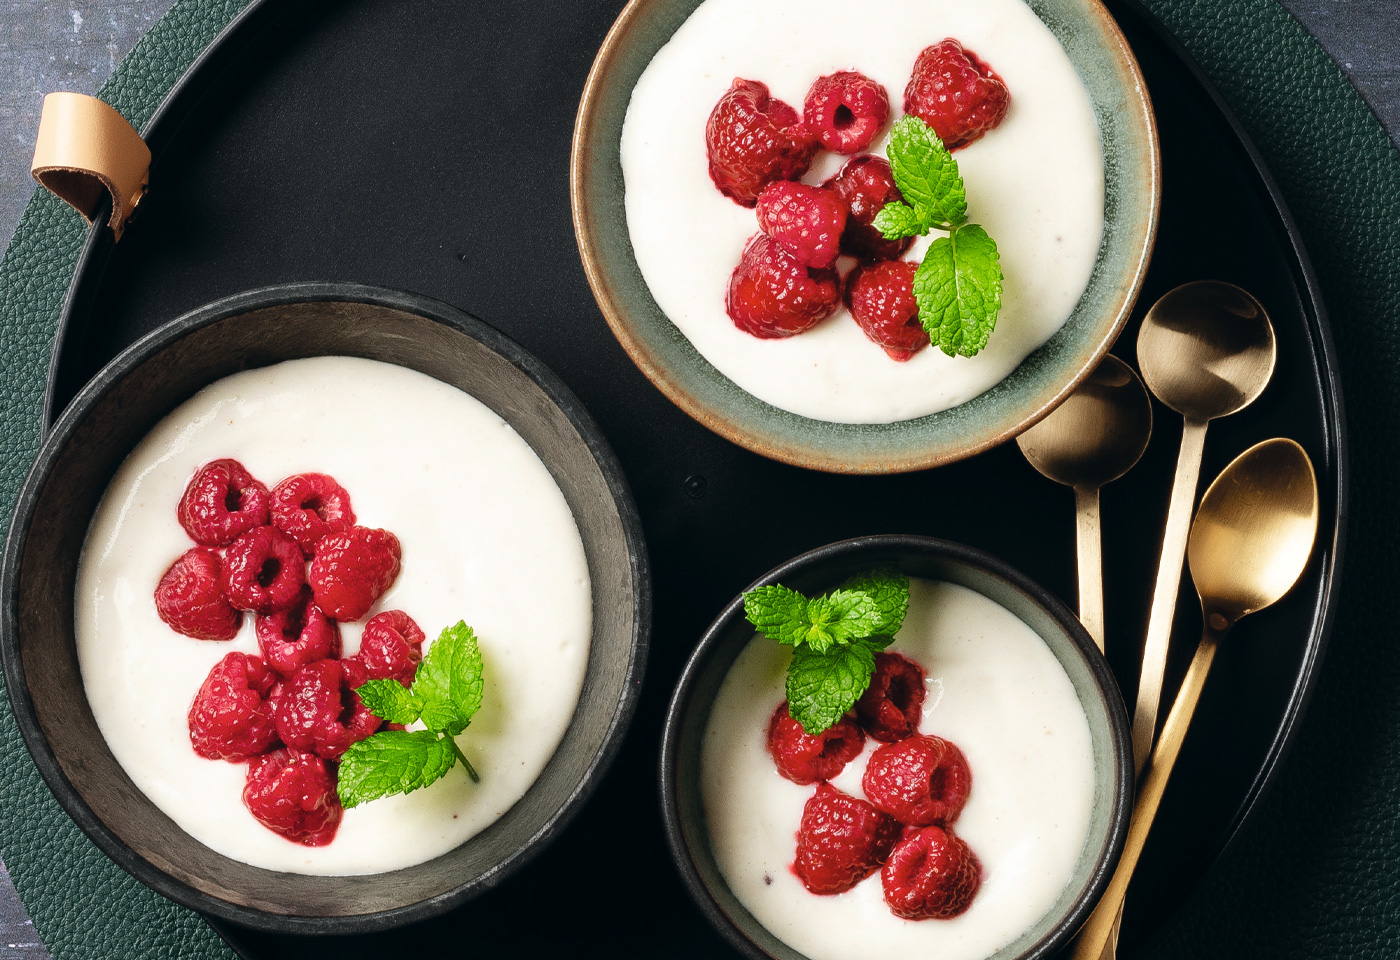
x=1035, y=182
x=994, y=689
x=486, y=535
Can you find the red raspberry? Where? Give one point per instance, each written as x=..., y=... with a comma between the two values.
x=771, y=294
x=866, y=184
x=318, y=710
x=891, y=707
x=918, y=780
x=842, y=840
x=221, y=502
x=230, y=718
x=391, y=646
x=301, y=634
x=188, y=598
x=932, y=874
x=352, y=569
x=308, y=506
x=263, y=571
x=806, y=220
x=955, y=93
x=806, y=759
x=752, y=140
x=880, y=296
x=294, y=794
x=846, y=110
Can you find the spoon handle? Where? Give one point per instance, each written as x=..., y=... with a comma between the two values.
x=1090, y=548
x=1159, y=621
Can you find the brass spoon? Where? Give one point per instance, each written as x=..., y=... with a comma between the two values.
x=1094, y=437
x=1206, y=350
x=1250, y=542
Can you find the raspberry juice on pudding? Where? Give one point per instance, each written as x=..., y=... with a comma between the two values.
x=486, y=537
x=1036, y=183
x=993, y=688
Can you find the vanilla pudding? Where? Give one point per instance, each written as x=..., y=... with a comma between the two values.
x=1036, y=183
x=994, y=689
x=486, y=537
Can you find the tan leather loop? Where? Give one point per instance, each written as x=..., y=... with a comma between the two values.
x=85, y=148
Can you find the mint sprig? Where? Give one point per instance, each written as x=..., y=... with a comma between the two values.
x=445, y=695
x=958, y=284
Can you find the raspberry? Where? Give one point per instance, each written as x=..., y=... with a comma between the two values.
x=932, y=874
x=842, y=840
x=352, y=569
x=955, y=93
x=308, y=506
x=803, y=758
x=771, y=294
x=807, y=221
x=230, y=718
x=391, y=646
x=221, y=502
x=846, y=110
x=880, y=296
x=919, y=780
x=263, y=571
x=752, y=140
x=318, y=710
x=188, y=598
x=301, y=634
x=866, y=184
x=294, y=794
x=891, y=707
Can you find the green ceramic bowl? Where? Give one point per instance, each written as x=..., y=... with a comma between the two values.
x=1132, y=179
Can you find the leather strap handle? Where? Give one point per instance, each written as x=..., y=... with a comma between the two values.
x=86, y=148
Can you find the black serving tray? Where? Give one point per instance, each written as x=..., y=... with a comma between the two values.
x=424, y=145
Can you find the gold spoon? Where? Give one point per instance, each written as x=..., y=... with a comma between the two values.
x=1249, y=544
x=1094, y=437
x=1206, y=350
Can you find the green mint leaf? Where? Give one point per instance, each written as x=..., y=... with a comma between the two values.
x=392, y=761
x=821, y=687
x=896, y=220
x=388, y=700
x=958, y=289
x=778, y=613
x=449, y=682
x=926, y=174
x=851, y=615
x=889, y=592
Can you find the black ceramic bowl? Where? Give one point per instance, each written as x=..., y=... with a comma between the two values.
x=103, y=424
x=821, y=569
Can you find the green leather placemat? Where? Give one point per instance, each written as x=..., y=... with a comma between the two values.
x=1317, y=870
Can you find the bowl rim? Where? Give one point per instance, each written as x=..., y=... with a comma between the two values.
x=653, y=365
x=1119, y=729
x=51, y=449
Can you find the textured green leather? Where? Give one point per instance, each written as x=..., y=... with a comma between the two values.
x=1316, y=873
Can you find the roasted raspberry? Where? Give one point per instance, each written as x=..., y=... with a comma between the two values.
x=308, y=506
x=263, y=571
x=845, y=111
x=866, y=184
x=918, y=780
x=880, y=296
x=752, y=140
x=294, y=794
x=391, y=646
x=230, y=718
x=891, y=707
x=352, y=569
x=806, y=220
x=806, y=759
x=955, y=93
x=931, y=875
x=318, y=710
x=189, y=598
x=772, y=295
x=221, y=502
x=842, y=841
x=301, y=634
